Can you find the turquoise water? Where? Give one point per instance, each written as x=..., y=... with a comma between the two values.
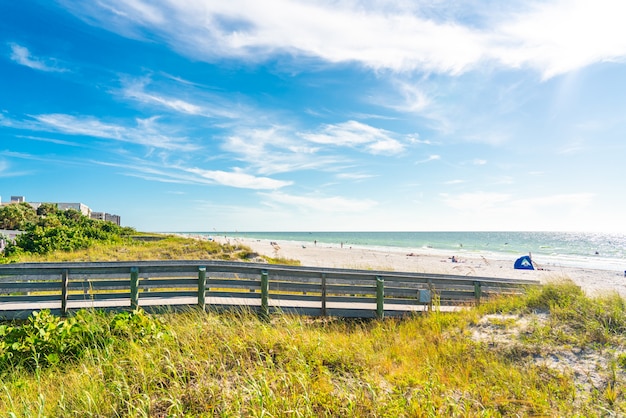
x=589, y=249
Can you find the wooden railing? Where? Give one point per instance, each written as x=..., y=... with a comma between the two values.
x=208, y=284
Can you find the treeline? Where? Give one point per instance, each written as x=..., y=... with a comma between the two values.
x=49, y=229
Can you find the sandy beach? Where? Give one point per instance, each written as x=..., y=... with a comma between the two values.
x=592, y=281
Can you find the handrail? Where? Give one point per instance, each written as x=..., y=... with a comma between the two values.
x=62, y=287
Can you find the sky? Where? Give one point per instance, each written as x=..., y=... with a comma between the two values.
x=327, y=115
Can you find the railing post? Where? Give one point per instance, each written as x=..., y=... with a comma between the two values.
x=323, y=294
x=380, y=297
x=134, y=288
x=202, y=287
x=431, y=289
x=65, y=278
x=265, y=311
x=477, y=292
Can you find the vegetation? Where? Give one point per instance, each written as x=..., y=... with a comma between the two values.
x=552, y=352
x=49, y=229
x=56, y=235
x=234, y=364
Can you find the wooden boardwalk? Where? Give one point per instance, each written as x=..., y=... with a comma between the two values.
x=265, y=288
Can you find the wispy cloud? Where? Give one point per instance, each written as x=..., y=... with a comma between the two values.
x=178, y=174
x=21, y=55
x=240, y=179
x=169, y=97
x=352, y=134
x=354, y=176
x=333, y=204
x=551, y=37
x=275, y=150
x=430, y=158
x=146, y=132
x=50, y=140
x=6, y=170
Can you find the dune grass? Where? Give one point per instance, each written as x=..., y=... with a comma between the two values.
x=235, y=364
x=168, y=247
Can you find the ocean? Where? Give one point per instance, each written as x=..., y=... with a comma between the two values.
x=593, y=250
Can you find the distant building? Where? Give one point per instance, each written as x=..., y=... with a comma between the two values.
x=103, y=216
x=82, y=208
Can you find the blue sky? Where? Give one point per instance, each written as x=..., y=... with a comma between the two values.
x=203, y=115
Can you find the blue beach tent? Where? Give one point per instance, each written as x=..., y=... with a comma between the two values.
x=524, y=263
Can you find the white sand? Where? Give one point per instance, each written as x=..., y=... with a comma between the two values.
x=593, y=281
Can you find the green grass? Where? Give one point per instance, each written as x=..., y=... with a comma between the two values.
x=170, y=247
x=235, y=364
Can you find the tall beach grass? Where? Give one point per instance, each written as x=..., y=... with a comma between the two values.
x=235, y=364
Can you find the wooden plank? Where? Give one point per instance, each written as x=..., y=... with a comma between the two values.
x=99, y=285
x=99, y=296
x=357, y=290
x=234, y=283
x=168, y=283
x=295, y=287
x=29, y=286
x=164, y=295
x=31, y=298
x=348, y=299
x=302, y=298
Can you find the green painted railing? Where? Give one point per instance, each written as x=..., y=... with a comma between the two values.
x=208, y=284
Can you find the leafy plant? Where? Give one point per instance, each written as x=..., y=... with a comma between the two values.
x=44, y=339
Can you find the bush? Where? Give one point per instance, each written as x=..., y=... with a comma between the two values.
x=44, y=339
x=67, y=230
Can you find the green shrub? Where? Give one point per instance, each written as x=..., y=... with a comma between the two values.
x=44, y=339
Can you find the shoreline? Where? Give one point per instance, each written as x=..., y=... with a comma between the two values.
x=593, y=281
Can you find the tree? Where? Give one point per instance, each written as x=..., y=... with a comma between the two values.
x=16, y=215
x=46, y=209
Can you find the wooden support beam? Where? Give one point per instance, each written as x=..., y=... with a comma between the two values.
x=380, y=297
x=477, y=292
x=134, y=288
x=202, y=287
x=265, y=310
x=324, y=313
x=65, y=279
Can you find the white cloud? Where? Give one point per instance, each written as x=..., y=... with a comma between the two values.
x=239, y=179
x=564, y=35
x=331, y=204
x=430, y=158
x=274, y=150
x=137, y=89
x=352, y=134
x=146, y=132
x=551, y=37
x=22, y=56
x=354, y=176
x=177, y=174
